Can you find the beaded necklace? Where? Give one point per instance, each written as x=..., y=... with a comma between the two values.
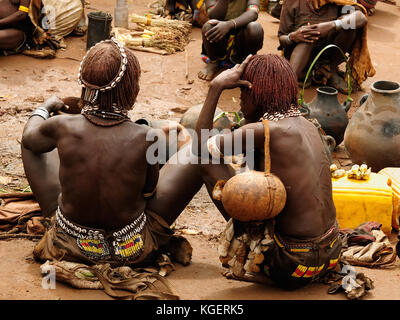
x=292, y=112
x=104, y=118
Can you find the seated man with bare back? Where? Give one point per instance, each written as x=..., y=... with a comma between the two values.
x=305, y=233
x=90, y=170
x=15, y=26
x=230, y=35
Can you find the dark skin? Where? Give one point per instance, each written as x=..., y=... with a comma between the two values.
x=307, y=36
x=98, y=175
x=11, y=36
x=297, y=156
x=249, y=39
x=170, y=5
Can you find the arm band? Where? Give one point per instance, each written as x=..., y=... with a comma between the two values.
x=23, y=8
x=253, y=7
x=199, y=4
x=41, y=112
x=288, y=41
x=338, y=24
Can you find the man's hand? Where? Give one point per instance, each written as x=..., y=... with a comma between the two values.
x=323, y=28
x=219, y=30
x=54, y=104
x=231, y=78
x=307, y=34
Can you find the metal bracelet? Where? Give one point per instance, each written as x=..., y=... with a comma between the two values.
x=234, y=23
x=338, y=24
x=288, y=41
x=41, y=112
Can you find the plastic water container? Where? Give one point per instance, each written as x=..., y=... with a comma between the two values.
x=393, y=174
x=359, y=201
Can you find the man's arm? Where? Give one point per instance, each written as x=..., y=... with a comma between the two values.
x=18, y=16
x=286, y=34
x=250, y=15
x=221, y=27
x=39, y=132
x=353, y=20
x=217, y=9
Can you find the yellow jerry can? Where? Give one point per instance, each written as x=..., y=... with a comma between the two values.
x=394, y=181
x=359, y=201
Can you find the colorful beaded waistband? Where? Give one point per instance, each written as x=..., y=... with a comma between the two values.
x=127, y=242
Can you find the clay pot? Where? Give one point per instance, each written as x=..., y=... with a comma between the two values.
x=331, y=115
x=253, y=195
x=190, y=117
x=373, y=133
x=179, y=134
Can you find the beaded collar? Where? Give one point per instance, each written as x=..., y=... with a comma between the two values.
x=292, y=112
x=104, y=118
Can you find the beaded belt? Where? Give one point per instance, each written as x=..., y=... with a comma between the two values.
x=127, y=243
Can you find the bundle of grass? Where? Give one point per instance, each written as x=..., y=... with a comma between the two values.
x=164, y=36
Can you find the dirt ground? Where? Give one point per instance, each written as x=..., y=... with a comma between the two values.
x=25, y=82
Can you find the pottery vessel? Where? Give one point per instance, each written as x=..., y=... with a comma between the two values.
x=373, y=133
x=190, y=117
x=331, y=115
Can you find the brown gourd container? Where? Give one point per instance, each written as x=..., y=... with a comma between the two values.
x=253, y=195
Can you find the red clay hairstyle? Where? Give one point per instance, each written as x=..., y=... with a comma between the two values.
x=100, y=67
x=274, y=83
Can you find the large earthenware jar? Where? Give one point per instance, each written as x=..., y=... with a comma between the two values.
x=373, y=133
x=331, y=115
x=190, y=117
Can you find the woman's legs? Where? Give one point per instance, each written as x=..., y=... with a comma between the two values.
x=180, y=179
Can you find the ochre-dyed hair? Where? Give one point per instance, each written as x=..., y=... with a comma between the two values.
x=274, y=83
x=102, y=65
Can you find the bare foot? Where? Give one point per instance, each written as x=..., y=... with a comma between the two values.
x=248, y=277
x=209, y=71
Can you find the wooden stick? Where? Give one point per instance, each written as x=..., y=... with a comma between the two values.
x=6, y=236
x=266, y=148
x=147, y=49
x=186, y=65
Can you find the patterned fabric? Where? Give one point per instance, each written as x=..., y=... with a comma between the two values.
x=224, y=62
x=129, y=248
x=293, y=264
x=116, y=248
x=369, y=4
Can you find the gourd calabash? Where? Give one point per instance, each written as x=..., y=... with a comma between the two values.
x=253, y=195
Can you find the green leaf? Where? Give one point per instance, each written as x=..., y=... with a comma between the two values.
x=348, y=71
